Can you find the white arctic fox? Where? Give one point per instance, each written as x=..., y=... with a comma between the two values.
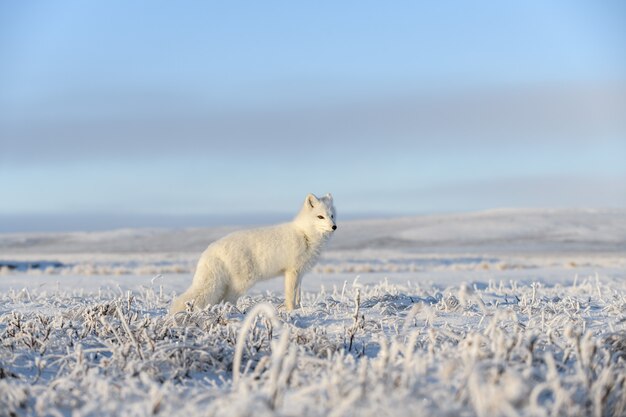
x=233, y=264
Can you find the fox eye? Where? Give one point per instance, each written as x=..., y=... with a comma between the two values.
x=320, y=217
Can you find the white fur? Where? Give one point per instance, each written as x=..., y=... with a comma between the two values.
x=233, y=264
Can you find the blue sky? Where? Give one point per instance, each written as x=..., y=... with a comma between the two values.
x=116, y=114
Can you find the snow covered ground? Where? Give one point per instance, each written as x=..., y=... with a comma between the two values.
x=504, y=312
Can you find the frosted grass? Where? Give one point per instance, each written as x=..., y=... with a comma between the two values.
x=476, y=349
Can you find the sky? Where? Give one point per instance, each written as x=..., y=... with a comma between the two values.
x=181, y=114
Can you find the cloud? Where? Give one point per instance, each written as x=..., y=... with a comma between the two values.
x=469, y=119
x=529, y=191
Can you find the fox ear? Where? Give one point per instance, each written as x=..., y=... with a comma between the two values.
x=311, y=200
x=329, y=196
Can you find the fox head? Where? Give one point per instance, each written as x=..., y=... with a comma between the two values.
x=318, y=214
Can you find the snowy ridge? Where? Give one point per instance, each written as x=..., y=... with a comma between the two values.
x=497, y=231
x=496, y=239
x=531, y=230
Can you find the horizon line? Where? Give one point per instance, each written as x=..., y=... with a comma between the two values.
x=70, y=222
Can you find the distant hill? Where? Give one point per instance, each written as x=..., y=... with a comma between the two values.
x=496, y=231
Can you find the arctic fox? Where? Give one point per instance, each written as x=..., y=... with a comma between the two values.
x=233, y=264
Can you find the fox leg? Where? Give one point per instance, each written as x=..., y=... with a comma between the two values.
x=292, y=296
x=298, y=290
x=180, y=303
x=201, y=296
x=231, y=296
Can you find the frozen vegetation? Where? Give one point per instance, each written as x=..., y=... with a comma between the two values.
x=502, y=313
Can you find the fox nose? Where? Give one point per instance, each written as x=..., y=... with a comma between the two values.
x=334, y=227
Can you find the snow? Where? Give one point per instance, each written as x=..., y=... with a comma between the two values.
x=505, y=312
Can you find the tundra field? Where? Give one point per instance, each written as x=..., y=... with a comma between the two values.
x=497, y=313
